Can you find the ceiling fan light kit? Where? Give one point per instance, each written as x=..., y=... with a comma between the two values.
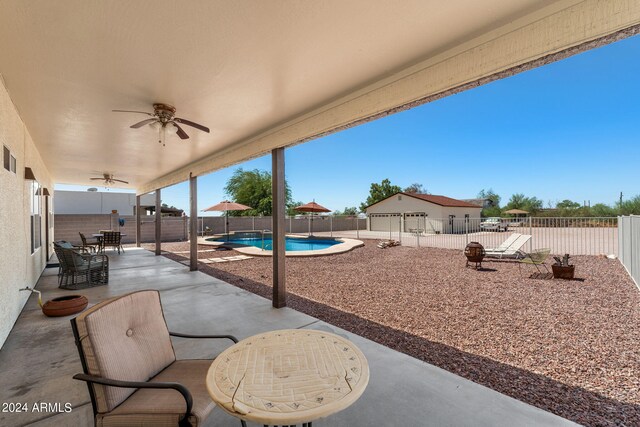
x=164, y=121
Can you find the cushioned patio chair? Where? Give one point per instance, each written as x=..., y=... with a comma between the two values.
x=536, y=258
x=84, y=269
x=92, y=245
x=112, y=239
x=131, y=369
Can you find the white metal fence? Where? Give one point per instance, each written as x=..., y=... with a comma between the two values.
x=576, y=236
x=629, y=245
x=317, y=224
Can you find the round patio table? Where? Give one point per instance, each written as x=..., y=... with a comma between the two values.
x=288, y=377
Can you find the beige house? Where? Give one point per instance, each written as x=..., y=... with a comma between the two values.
x=427, y=212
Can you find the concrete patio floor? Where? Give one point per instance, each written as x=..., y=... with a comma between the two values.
x=39, y=358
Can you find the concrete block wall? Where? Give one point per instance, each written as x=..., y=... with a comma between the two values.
x=67, y=227
x=293, y=225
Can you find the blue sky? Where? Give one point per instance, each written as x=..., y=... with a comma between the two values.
x=568, y=130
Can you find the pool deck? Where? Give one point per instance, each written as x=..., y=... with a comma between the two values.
x=39, y=358
x=346, y=245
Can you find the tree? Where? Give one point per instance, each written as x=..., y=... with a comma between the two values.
x=253, y=188
x=416, y=188
x=520, y=201
x=291, y=208
x=379, y=192
x=352, y=211
x=600, y=209
x=489, y=194
x=567, y=204
x=630, y=207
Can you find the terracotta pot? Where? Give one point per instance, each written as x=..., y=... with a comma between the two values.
x=64, y=306
x=563, y=271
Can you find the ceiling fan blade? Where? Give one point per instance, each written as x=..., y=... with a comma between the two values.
x=192, y=124
x=96, y=179
x=142, y=123
x=181, y=133
x=129, y=111
x=119, y=180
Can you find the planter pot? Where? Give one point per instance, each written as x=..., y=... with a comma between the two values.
x=563, y=272
x=64, y=306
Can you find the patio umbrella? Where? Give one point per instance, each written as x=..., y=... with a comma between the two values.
x=312, y=207
x=226, y=206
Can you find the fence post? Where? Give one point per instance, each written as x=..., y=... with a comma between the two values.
x=400, y=229
x=331, y=225
x=530, y=234
x=357, y=227
x=466, y=230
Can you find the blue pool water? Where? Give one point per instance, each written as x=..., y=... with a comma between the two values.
x=291, y=243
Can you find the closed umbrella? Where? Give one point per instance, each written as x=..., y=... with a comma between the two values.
x=312, y=208
x=226, y=206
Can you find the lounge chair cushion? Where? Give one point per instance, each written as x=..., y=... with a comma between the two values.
x=156, y=407
x=64, y=244
x=127, y=339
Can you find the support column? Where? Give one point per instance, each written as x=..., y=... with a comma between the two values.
x=278, y=226
x=158, y=222
x=138, y=223
x=193, y=222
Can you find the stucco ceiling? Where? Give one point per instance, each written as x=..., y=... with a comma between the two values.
x=238, y=67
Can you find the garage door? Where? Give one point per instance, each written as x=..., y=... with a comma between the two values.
x=414, y=221
x=385, y=222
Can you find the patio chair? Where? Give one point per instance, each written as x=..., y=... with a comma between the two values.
x=130, y=366
x=112, y=239
x=84, y=269
x=93, y=245
x=511, y=251
x=536, y=258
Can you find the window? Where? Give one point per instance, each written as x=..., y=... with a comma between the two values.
x=36, y=215
x=8, y=159
x=6, y=156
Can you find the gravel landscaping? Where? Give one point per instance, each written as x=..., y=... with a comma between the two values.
x=568, y=347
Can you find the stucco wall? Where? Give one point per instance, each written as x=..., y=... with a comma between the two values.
x=18, y=267
x=68, y=227
x=402, y=203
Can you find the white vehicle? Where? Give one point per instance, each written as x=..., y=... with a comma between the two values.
x=495, y=224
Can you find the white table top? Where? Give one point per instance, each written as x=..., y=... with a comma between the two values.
x=287, y=377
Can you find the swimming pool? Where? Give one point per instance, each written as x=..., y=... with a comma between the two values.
x=291, y=243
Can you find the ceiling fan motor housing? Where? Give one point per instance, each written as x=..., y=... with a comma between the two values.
x=164, y=112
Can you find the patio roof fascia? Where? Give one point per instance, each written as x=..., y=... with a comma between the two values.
x=560, y=30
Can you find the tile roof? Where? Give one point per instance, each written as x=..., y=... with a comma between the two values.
x=443, y=200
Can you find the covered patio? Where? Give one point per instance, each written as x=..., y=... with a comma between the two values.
x=263, y=76
x=39, y=357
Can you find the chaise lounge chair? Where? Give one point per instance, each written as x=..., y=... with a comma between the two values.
x=510, y=248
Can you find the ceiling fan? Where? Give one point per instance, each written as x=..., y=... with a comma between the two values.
x=109, y=179
x=165, y=121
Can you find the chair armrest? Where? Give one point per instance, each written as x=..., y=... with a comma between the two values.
x=178, y=334
x=141, y=384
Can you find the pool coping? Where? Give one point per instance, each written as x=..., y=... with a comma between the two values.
x=346, y=245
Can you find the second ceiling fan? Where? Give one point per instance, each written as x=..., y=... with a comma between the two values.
x=163, y=118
